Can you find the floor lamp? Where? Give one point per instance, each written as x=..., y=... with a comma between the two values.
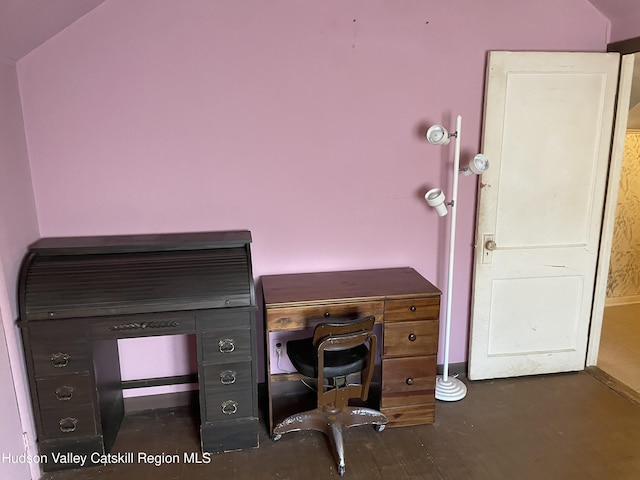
x=450, y=388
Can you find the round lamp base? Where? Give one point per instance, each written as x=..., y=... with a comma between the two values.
x=450, y=390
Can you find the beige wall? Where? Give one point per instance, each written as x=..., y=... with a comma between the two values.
x=624, y=272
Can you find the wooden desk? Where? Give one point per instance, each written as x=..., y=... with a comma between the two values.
x=405, y=304
x=78, y=296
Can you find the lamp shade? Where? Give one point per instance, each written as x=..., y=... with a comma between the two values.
x=435, y=198
x=478, y=165
x=438, y=135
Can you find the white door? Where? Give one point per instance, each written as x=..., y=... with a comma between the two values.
x=547, y=131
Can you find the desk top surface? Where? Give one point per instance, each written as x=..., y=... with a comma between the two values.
x=298, y=288
x=140, y=243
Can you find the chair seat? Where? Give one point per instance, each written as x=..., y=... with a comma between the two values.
x=343, y=347
x=304, y=358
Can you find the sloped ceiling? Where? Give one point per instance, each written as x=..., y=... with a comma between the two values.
x=27, y=24
x=616, y=9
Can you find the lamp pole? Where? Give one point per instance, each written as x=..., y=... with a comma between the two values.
x=450, y=388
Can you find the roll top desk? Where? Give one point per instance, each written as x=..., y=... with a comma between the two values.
x=79, y=295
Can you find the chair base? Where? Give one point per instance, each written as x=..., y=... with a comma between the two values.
x=332, y=422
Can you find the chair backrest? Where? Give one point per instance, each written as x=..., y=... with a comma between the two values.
x=348, y=327
x=332, y=336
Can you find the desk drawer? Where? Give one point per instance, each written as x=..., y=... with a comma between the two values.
x=227, y=404
x=212, y=320
x=224, y=345
x=227, y=376
x=298, y=318
x=64, y=391
x=226, y=436
x=68, y=422
x=410, y=338
x=410, y=415
x=412, y=309
x=60, y=357
x=408, y=381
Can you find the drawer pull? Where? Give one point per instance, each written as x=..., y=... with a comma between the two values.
x=412, y=337
x=227, y=377
x=68, y=424
x=226, y=345
x=413, y=308
x=327, y=314
x=60, y=360
x=409, y=381
x=64, y=393
x=229, y=407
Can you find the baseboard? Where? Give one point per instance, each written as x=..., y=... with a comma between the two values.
x=615, y=301
x=163, y=400
x=614, y=384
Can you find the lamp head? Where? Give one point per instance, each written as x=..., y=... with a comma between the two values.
x=437, y=135
x=435, y=198
x=477, y=165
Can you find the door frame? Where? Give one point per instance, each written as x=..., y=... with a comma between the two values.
x=611, y=201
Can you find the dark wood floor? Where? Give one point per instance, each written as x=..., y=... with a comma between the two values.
x=568, y=426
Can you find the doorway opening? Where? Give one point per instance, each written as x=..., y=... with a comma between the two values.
x=619, y=350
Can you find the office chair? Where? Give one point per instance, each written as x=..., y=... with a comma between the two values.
x=336, y=350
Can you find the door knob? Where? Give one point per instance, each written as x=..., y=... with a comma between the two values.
x=490, y=245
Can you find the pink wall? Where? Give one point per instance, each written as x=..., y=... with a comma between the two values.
x=300, y=121
x=18, y=228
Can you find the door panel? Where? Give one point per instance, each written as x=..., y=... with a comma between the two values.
x=546, y=313
x=562, y=204
x=547, y=131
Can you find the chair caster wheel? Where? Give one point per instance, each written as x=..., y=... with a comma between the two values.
x=341, y=470
x=276, y=437
x=379, y=428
